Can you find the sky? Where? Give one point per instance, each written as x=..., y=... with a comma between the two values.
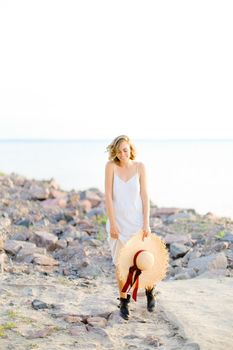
x=96, y=69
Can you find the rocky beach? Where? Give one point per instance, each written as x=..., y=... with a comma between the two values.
x=57, y=280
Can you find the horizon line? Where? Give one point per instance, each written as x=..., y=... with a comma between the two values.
x=106, y=139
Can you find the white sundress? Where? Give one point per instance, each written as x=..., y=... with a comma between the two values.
x=128, y=209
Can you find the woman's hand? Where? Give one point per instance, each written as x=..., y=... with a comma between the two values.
x=114, y=232
x=146, y=232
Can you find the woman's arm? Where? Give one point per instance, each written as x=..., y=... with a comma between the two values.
x=114, y=233
x=145, y=200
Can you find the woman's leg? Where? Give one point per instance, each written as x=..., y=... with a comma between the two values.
x=120, y=286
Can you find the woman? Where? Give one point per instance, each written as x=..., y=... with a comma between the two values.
x=127, y=205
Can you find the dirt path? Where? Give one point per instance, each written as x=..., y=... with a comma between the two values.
x=203, y=308
x=67, y=325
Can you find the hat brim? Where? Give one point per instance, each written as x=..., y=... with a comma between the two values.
x=153, y=244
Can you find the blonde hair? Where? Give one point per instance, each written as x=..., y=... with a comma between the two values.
x=112, y=148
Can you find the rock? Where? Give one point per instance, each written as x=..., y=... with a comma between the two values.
x=73, y=200
x=91, y=196
x=27, y=254
x=179, y=217
x=24, y=222
x=70, y=252
x=21, y=236
x=18, y=180
x=178, y=250
x=61, y=243
x=85, y=205
x=13, y=246
x=38, y=305
x=78, y=330
x=220, y=246
x=39, y=193
x=228, y=237
x=191, y=254
x=59, y=202
x=174, y=238
x=196, y=235
x=163, y=211
x=45, y=239
x=44, y=260
x=8, y=182
x=186, y=274
x=97, y=321
x=99, y=335
x=73, y=319
x=93, y=242
x=96, y=212
x=71, y=232
x=55, y=193
x=53, y=184
x=42, y=333
x=177, y=262
x=210, y=262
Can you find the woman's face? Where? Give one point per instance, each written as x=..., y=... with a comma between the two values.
x=123, y=151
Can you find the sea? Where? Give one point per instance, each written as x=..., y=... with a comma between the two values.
x=191, y=174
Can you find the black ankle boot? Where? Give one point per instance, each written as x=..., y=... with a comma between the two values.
x=124, y=308
x=150, y=299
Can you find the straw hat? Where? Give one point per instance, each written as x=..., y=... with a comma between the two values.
x=142, y=264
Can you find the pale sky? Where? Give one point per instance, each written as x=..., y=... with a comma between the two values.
x=96, y=69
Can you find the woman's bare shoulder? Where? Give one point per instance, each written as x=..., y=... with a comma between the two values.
x=140, y=165
x=109, y=165
x=141, y=168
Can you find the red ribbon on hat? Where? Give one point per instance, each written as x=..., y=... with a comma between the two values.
x=130, y=280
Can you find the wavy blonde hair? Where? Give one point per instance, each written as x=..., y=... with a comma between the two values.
x=113, y=147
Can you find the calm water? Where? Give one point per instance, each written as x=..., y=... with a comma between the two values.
x=190, y=174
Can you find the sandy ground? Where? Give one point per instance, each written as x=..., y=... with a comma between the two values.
x=203, y=308
x=197, y=311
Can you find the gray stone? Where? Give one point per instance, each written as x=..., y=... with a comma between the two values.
x=220, y=246
x=38, y=304
x=45, y=239
x=191, y=254
x=178, y=250
x=24, y=222
x=176, y=262
x=13, y=246
x=27, y=254
x=228, y=237
x=39, y=193
x=174, y=238
x=180, y=217
x=91, y=196
x=186, y=274
x=96, y=212
x=44, y=260
x=97, y=321
x=211, y=262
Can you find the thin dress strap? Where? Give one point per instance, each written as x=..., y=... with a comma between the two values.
x=137, y=172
